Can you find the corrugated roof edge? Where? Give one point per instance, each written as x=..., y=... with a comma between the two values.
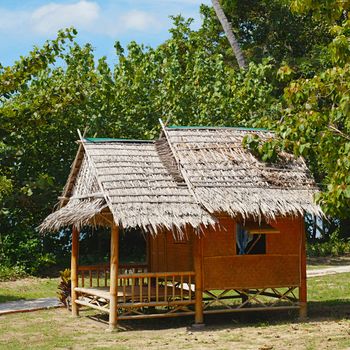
x=101, y=139
x=217, y=127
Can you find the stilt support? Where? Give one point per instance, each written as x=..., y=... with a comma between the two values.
x=113, y=289
x=198, y=263
x=303, y=312
x=303, y=284
x=74, y=270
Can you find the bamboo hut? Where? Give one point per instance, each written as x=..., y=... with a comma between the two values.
x=225, y=231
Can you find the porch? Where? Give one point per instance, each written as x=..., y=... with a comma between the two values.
x=143, y=294
x=140, y=294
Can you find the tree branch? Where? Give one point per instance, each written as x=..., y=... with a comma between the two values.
x=334, y=129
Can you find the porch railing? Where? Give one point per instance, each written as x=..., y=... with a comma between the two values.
x=158, y=288
x=141, y=295
x=98, y=275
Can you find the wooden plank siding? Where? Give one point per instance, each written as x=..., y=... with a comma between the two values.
x=168, y=254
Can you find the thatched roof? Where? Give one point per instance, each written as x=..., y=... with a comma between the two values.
x=182, y=179
x=130, y=179
x=225, y=177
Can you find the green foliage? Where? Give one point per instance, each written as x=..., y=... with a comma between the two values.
x=266, y=151
x=64, y=288
x=267, y=28
x=15, y=78
x=335, y=246
x=11, y=272
x=297, y=84
x=316, y=111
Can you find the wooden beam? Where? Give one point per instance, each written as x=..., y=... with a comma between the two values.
x=198, y=264
x=303, y=284
x=85, y=196
x=99, y=308
x=74, y=270
x=113, y=289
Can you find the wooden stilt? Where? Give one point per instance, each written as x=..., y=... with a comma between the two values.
x=198, y=262
x=303, y=285
x=74, y=270
x=113, y=289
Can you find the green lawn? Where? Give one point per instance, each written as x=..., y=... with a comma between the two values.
x=328, y=326
x=28, y=288
x=329, y=288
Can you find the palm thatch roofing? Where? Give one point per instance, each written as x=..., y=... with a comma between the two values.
x=186, y=177
x=226, y=177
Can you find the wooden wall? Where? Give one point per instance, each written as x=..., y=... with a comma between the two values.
x=222, y=267
x=280, y=266
x=167, y=254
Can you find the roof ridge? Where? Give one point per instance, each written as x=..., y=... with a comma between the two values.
x=240, y=128
x=108, y=139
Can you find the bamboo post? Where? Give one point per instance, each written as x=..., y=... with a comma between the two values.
x=74, y=270
x=303, y=285
x=113, y=289
x=198, y=263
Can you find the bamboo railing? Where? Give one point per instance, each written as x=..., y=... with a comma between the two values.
x=98, y=275
x=140, y=294
x=158, y=288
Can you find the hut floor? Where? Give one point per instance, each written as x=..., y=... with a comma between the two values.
x=136, y=293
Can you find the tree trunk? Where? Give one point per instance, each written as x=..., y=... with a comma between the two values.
x=228, y=31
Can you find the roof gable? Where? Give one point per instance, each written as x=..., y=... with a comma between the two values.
x=138, y=188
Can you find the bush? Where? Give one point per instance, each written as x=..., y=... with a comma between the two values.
x=11, y=273
x=333, y=247
x=64, y=288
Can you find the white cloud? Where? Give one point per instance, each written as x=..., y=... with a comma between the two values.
x=138, y=20
x=84, y=15
x=49, y=18
x=108, y=18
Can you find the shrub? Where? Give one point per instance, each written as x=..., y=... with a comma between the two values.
x=334, y=247
x=64, y=288
x=11, y=272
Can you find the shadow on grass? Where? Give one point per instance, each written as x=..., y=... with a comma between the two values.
x=329, y=260
x=8, y=297
x=322, y=311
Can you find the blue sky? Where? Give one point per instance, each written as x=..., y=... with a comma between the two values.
x=24, y=23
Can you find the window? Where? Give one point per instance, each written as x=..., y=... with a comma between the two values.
x=249, y=243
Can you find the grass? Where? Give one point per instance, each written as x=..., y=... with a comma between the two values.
x=55, y=329
x=329, y=288
x=327, y=328
x=28, y=288
x=317, y=267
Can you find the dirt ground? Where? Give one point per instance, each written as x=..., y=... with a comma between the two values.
x=328, y=325
x=55, y=329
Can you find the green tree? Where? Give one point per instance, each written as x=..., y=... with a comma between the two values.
x=44, y=103
x=316, y=112
x=301, y=93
